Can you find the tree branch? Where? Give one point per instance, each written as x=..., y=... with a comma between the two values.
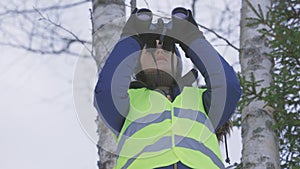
x=77, y=39
x=133, y=4
x=39, y=51
x=194, y=7
x=220, y=37
x=23, y=11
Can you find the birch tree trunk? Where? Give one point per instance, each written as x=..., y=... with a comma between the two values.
x=108, y=21
x=260, y=145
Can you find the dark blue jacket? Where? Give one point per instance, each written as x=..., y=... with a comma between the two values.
x=111, y=97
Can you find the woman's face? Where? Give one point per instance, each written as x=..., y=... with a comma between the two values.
x=161, y=60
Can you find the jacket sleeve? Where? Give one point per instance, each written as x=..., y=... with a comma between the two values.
x=223, y=88
x=111, y=93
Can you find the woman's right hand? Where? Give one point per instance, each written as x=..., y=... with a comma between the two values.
x=137, y=28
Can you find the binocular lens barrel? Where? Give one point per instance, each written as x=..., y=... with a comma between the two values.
x=144, y=14
x=180, y=13
x=158, y=31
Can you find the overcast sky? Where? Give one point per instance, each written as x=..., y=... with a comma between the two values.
x=40, y=126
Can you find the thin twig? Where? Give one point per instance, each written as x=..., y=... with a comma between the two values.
x=133, y=4
x=30, y=49
x=219, y=36
x=194, y=7
x=66, y=30
x=16, y=11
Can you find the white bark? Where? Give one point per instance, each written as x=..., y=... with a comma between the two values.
x=108, y=20
x=260, y=145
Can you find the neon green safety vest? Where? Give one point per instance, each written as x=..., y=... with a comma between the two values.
x=159, y=133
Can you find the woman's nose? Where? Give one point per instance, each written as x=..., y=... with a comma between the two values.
x=159, y=51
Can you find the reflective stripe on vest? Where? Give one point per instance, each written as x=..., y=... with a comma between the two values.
x=159, y=133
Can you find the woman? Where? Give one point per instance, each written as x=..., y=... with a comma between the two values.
x=159, y=121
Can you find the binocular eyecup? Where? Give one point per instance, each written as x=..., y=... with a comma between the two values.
x=158, y=30
x=180, y=13
x=146, y=15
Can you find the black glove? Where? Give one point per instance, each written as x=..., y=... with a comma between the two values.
x=185, y=31
x=136, y=28
x=153, y=35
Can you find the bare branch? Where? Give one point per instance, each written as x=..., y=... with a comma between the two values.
x=147, y=4
x=21, y=28
x=133, y=4
x=53, y=7
x=39, y=51
x=193, y=7
x=66, y=30
x=220, y=37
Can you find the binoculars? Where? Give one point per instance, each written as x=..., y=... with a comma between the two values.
x=159, y=30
